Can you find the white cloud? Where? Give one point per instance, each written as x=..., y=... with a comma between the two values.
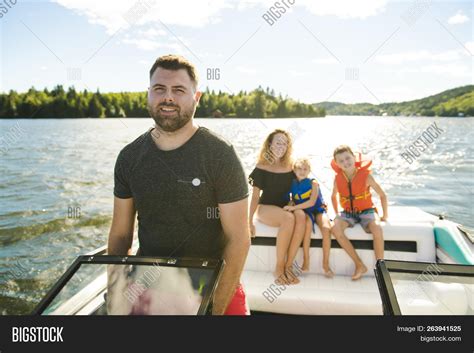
x=344, y=8
x=115, y=14
x=143, y=44
x=327, y=61
x=451, y=70
x=150, y=38
x=458, y=18
x=296, y=73
x=246, y=4
x=151, y=33
x=246, y=70
x=339, y=8
x=449, y=63
x=149, y=45
x=470, y=47
x=419, y=55
x=142, y=18
x=145, y=62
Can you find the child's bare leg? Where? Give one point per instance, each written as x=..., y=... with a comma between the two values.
x=325, y=227
x=295, y=244
x=338, y=232
x=377, y=233
x=295, y=240
x=307, y=244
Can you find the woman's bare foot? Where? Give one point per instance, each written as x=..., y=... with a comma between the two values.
x=327, y=271
x=280, y=277
x=359, y=271
x=291, y=276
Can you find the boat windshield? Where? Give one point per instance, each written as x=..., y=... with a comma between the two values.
x=414, y=288
x=164, y=287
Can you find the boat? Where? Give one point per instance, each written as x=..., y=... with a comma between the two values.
x=411, y=235
x=428, y=269
x=101, y=284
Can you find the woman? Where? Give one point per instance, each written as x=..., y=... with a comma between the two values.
x=272, y=178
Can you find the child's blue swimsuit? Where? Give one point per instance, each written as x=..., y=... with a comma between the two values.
x=301, y=192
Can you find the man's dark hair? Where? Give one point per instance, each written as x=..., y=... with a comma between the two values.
x=175, y=62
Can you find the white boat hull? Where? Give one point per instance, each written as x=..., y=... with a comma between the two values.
x=409, y=236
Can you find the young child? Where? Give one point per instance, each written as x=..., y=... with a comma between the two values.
x=307, y=196
x=353, y=182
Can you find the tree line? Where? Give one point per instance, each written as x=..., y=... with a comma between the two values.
x=453, y=102
x=61, y=103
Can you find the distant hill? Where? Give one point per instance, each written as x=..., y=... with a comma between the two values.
x=453, y=102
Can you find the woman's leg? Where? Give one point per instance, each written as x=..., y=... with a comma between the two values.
x=338, y=232
x=297, y=238
x=325, y=226
x=275, y=216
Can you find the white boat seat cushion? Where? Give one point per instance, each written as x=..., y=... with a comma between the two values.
x=403, y=241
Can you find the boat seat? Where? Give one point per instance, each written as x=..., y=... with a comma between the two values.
x=316, y=294
x=403, y=241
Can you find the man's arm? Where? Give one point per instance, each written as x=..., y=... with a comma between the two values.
x=121, y=230
x=234, y=219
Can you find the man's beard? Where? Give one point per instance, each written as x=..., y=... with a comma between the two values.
x=171, y=123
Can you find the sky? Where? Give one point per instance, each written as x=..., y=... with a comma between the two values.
x=347, y=51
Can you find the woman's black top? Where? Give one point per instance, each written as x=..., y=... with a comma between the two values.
x=275, y=186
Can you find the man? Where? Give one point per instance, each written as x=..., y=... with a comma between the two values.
x=186, y=185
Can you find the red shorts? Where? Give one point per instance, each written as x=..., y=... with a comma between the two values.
x=238, y=304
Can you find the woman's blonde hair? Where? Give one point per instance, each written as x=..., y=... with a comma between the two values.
x=267, y=157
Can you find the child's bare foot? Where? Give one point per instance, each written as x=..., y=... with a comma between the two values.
x=327, y=271
x=359, y=271
x=305, y=267
x=291, y=276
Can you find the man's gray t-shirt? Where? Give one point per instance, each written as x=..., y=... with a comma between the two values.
x=176, y=193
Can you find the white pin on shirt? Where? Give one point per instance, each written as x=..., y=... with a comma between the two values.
x=195, y=181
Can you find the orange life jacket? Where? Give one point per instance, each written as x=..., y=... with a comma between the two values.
x=354, y=195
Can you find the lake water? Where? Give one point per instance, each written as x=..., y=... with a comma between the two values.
x=56, y=180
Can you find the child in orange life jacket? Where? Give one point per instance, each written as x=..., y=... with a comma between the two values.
x=307, y=196
x=353, y=182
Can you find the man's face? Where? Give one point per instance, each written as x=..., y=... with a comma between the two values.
x=172, y=98
x=345, y=161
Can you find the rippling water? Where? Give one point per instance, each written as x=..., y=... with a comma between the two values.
x=53, y=170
